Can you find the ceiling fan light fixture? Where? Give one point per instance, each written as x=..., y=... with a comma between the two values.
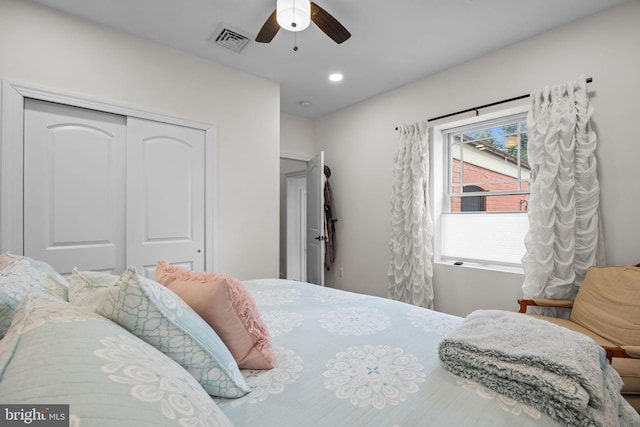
x=293, y=15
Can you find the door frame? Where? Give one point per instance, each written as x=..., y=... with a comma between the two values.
x=12, y=95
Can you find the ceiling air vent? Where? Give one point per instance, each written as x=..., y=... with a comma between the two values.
x=229, y=38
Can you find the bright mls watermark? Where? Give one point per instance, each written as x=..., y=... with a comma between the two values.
x=34, y=415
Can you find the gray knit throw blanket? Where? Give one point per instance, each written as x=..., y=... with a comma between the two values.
x=558, y=371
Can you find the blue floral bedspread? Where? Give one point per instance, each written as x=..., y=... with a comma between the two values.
x=344, y=359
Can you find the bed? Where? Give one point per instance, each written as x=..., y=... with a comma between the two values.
x=339, y=359
x=344, y=359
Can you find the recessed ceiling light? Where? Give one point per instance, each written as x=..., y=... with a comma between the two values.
x=335, y=77
x=304, y=103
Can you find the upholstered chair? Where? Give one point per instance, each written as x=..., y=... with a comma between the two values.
x=607, y=309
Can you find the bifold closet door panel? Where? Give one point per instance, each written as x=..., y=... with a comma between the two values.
x=165, y=195
x=74, y=187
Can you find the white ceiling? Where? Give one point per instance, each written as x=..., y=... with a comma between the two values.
x=393, y=42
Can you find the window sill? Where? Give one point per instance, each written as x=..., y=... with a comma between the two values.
x=479, y=266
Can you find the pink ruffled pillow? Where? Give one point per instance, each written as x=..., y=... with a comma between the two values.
x=224, y=303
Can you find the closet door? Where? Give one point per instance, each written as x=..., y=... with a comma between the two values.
x=74, y=187
x=165, y=195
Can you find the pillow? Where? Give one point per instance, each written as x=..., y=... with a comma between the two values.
x=20, y=276
x=6, y=259
x=55, y=277
x=159, y=317
x=106, y=375
x=226, y=305
x=607, y=304
x=86, y=288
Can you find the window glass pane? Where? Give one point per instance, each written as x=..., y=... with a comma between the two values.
x=492, y=133
x=490, y=159
x=485, y=186
x=503, y=138
x=490, y=203
x=456, y=155
x=524, y=156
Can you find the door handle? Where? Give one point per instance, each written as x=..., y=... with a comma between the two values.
x=319, y=238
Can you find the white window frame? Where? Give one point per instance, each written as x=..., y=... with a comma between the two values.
x=476, y=220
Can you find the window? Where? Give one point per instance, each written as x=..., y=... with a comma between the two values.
x=481, y=189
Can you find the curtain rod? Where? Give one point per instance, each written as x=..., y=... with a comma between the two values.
x=589, y=80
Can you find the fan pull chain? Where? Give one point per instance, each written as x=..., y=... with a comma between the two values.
x=295, y=41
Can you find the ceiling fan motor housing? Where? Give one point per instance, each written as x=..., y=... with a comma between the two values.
x=293, y=15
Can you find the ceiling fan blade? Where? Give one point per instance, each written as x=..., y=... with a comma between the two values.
x=328, y=24
x=269, y=29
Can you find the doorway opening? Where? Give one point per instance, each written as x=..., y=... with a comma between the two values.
x=293, y=184
x=302, y=231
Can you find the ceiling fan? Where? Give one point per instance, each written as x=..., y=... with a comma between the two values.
x=295, y=15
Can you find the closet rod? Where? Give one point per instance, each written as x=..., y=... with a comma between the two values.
x=589, y=80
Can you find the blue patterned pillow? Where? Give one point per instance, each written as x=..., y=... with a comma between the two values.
x=21, y=275
x=158, y=316
x=106, y=375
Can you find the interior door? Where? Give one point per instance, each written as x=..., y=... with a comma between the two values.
x=74, y=187
x=315, y=220
x=165, y=195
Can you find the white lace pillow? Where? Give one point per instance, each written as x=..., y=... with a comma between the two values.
x=87, y=288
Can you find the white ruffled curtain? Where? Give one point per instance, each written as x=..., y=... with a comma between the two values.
x=564, y=237
x=411, y=268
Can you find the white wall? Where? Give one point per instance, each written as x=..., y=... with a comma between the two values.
x=297, y=137
x=50, y=49
x=359, y=143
